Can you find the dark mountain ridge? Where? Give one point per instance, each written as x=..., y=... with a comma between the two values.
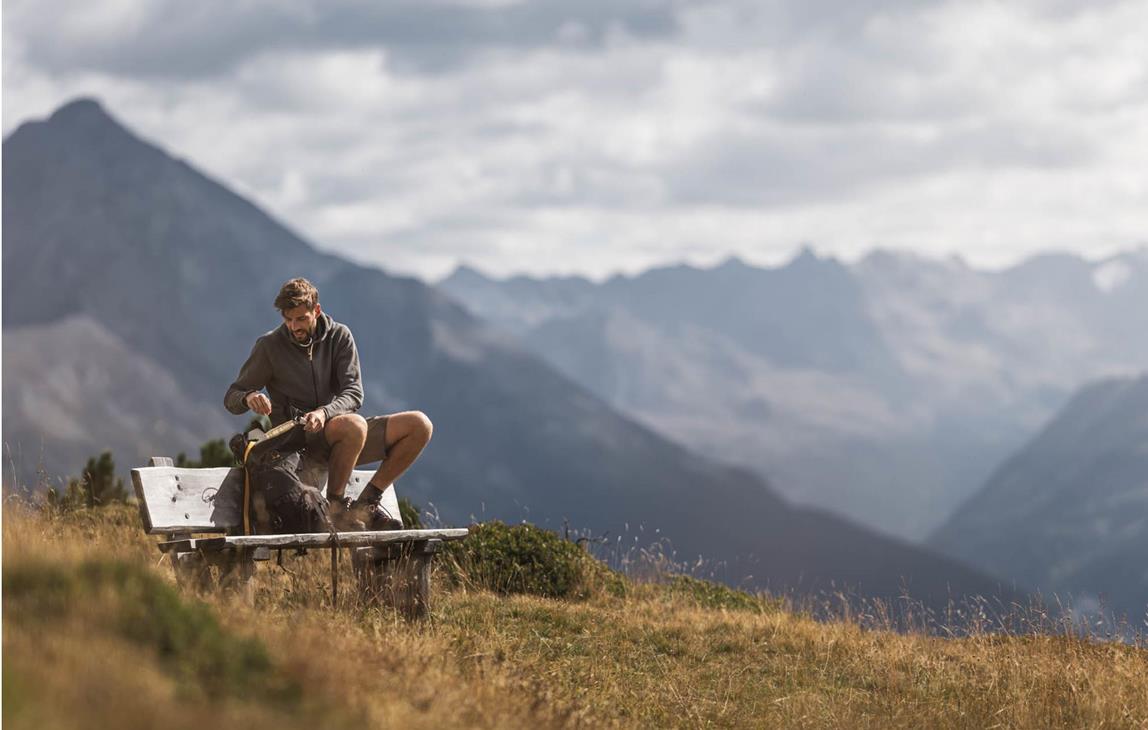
x=806, y=294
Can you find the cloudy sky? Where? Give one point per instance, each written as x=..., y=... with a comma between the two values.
x=596, y=136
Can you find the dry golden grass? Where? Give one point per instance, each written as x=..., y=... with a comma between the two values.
x=652, y=657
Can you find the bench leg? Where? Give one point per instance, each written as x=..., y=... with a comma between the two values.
x=192, y=572
x=237, y=570
x=397, y=576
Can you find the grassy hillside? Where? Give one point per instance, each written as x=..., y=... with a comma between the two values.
x=96, y=635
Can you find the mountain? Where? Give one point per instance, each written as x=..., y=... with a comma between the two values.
x=885, y=391
x=782, y=371
x=1068, y=513
x=134, y=287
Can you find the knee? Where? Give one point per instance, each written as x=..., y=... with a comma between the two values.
x=349, y=427
x=422, y=426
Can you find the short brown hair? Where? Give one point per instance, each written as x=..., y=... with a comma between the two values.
x=297, y=293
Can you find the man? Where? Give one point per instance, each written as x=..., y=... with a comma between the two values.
x=310, y=364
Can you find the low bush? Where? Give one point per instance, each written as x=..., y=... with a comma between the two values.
x=523, y=558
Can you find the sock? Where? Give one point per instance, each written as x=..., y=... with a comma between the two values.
x=371, y=494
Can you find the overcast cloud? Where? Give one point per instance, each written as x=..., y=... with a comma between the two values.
x=592, y=137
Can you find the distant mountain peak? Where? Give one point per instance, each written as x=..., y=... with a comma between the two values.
x=84, y=107
x=86, y=117
x=466, y=274
x=733, y=263
x=806, y=254
x=82, y=122
x=808, y=260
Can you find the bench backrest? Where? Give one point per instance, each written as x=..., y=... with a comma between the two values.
x=178, y=501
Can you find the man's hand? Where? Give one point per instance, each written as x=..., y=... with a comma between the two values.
x=259, y=403
x=314, y=420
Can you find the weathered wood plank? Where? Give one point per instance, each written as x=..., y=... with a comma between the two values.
x=175, y=500
x=345, y=539
x=313, y=539
x=189, y=543
x=235, y=576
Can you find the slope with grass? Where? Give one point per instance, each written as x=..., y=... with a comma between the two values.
x=96, y=635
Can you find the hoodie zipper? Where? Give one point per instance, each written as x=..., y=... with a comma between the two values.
x=311, y=360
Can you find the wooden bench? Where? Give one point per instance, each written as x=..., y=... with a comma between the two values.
x=391, y=567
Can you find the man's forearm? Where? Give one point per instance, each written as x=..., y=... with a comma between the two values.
x=254, y=374
x=235, y=401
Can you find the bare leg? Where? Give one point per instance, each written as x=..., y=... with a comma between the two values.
x=346, y=434
x=408, y=433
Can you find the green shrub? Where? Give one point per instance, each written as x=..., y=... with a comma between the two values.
x=525, y=559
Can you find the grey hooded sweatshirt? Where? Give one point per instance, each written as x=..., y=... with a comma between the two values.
x=324, y=374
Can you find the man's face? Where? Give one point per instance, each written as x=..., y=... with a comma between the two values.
x=301, y=321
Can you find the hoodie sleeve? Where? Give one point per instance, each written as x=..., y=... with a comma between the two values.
x=348, y=381
x=254, y=375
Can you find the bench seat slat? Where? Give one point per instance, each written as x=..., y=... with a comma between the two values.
x=312, y=539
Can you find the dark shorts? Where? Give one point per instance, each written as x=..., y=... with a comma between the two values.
x=313, y=464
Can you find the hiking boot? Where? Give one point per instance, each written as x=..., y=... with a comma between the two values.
x=368, y=506
x=345, y=516
x=378, y=518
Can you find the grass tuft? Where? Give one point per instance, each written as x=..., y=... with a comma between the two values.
x=708, y=594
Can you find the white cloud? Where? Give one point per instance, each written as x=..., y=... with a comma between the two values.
x=597, y=137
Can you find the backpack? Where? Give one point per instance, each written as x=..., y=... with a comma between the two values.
x=276, y=501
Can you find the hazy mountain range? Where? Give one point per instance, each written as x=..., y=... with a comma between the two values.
x=886, y=390
x=1069, y=511
x=134, y=286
